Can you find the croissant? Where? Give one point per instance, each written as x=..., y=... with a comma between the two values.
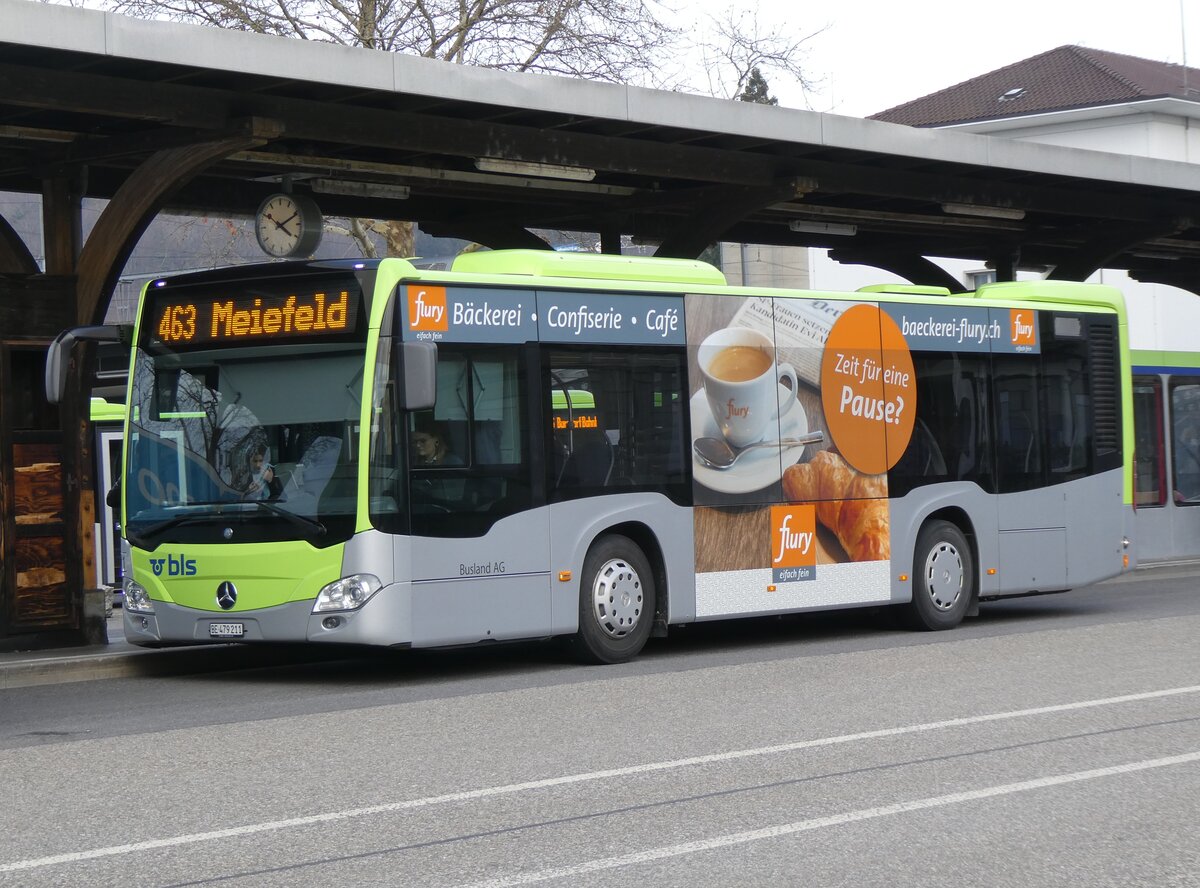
x=852, y=505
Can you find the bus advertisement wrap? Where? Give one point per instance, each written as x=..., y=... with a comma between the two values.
x=813, y=514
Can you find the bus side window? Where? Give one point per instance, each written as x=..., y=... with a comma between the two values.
x=615, y=420
x=484, y=468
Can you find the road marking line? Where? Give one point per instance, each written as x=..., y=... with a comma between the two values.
x=799, y=826
x=568, y=779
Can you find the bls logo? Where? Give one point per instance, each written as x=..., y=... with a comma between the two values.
x=176, y=567
x=427, y=309
x=1021, y=326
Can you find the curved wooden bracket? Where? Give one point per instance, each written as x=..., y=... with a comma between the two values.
x=131, y=210
x=912, y=267
x=15, y=257
x=721, y=209
x=1105, y=242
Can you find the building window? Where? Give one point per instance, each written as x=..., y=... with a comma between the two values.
x=976, y=279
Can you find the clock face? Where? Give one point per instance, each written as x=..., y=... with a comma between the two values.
x=288, y=225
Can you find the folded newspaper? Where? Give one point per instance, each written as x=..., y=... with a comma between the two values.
x=800, y=324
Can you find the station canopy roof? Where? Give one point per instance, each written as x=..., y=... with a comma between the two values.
x=486, y=155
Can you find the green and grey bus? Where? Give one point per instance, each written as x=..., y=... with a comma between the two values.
x=623, y=444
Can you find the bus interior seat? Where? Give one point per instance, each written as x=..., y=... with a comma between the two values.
x=1017, y=438
x=590, y=464
x=933, y=463
x=922, y=458
x=1023, y=452
x=319, y=461
x=340, y=492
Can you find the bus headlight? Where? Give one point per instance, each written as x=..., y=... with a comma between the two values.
x=348, y=593
x=137, y=599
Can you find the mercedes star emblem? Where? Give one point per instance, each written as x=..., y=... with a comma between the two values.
x=226, y=595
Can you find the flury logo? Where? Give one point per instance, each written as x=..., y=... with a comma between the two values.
x=1021, y=327
x=732, y=410
x=427, y=309
x=180, y=566
x=793, y=536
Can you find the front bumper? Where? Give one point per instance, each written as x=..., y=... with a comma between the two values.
x=384, y=620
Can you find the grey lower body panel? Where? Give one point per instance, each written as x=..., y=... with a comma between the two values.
x=381, y=621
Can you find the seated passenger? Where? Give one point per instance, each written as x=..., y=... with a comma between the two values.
x=262, y=482
x=430, y=449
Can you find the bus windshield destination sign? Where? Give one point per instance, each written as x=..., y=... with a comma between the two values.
x=298, y=314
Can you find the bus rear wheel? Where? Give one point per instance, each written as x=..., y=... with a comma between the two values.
x=616, y=602
x=943, y=577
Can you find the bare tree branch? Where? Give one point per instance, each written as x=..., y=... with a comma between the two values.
x=620, y=41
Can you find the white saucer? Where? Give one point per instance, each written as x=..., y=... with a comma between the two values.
x=757, y=469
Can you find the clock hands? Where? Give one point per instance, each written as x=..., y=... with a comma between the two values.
x=282, y=225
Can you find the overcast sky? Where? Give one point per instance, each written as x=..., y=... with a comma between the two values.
x=879, y=53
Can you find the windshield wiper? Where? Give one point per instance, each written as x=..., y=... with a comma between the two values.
x=141, y=539
x=316, y=528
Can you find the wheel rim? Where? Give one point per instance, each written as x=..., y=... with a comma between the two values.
x=944, y=575
x=617, y=598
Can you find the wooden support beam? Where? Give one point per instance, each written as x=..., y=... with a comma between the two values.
x=134, y=206
x=62, y=222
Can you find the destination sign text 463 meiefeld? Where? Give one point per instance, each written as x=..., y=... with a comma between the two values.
x=328, y=312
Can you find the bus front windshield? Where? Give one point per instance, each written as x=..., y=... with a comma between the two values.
x=243, y=444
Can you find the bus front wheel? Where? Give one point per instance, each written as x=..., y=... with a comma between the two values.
x=943, y=577
x=616, y=602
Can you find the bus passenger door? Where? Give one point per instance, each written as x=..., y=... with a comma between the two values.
x=480, y=542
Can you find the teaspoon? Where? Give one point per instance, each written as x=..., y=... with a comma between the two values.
x=717, y=454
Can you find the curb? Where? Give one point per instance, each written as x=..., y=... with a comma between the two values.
x=33, y=671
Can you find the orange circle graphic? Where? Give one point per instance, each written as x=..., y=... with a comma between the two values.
x=868, y=389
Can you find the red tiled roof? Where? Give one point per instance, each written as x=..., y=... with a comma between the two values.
x=1062, y=78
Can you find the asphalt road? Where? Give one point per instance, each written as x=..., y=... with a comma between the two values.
x=1051, y=741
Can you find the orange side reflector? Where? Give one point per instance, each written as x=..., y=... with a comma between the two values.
x=564, y=576
x=770, y=588
x=904, y=578
x=991, y=571
x=1125, y=558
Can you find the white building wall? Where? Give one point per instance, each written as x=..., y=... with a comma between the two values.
x=1143, y=135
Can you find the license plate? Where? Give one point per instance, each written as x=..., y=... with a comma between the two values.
x=226, y=630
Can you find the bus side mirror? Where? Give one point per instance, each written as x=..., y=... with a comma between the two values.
x=58, y=358
x=419, y=365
